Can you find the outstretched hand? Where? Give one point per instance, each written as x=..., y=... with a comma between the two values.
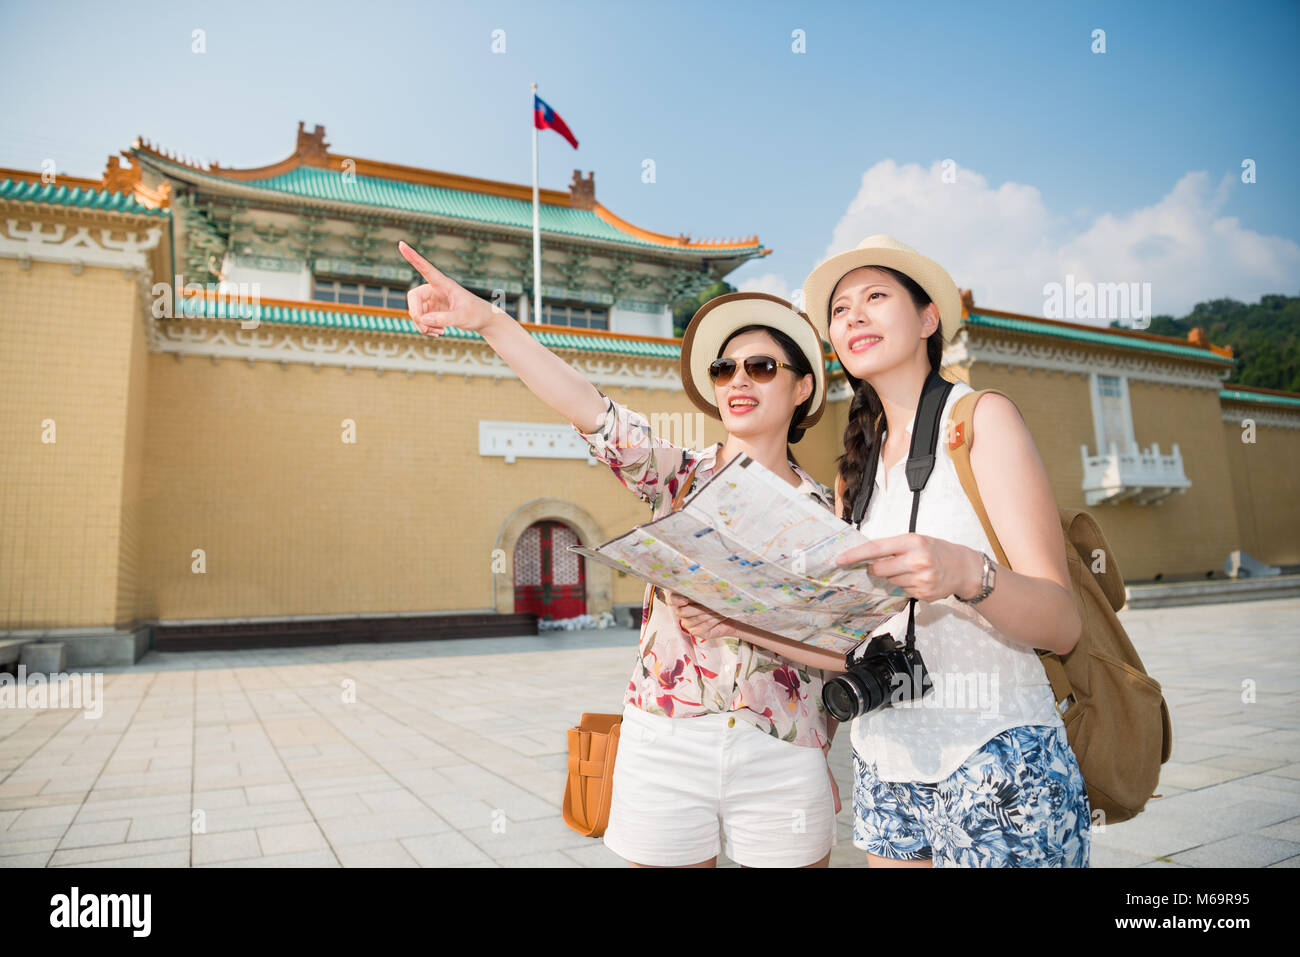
x=443, y=302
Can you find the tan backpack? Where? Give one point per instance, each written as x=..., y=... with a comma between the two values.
x=1115, y=714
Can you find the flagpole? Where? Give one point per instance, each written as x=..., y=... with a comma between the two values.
x=537, y=232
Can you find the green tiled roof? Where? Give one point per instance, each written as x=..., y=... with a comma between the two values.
x=76, y=196
x=1100, y=337
x=316, y=183
x=325, y=317
x=1263, y=398
x=375, y=322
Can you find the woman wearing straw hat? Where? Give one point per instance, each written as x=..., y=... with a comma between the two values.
x=716, y=725
x=991, y=782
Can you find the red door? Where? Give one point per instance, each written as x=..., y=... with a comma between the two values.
x=550, y=580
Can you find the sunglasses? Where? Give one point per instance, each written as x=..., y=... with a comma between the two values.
x=759, y=368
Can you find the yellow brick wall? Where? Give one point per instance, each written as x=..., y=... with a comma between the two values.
x=1056, y=407
x=134, y=596
x=157, y=457
x=1263, y=482
x=246, y=462
x=65, y=355
x=1188, y=534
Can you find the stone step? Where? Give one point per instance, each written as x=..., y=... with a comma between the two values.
x=44, y=657
x=11, y=649
x=1160, y=595
x=85, y=648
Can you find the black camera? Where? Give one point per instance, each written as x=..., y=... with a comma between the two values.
x=886, y=668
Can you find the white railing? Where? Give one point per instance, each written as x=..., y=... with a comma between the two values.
x=1140, y=476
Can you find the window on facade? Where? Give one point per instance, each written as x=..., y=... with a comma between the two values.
x=574, y=314
x=1113, y=426
x=359, y=294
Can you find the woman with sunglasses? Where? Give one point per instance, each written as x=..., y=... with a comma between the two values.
x=950, y=782
x=717, y=727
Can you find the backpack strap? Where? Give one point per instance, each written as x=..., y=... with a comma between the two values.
x=961, y=433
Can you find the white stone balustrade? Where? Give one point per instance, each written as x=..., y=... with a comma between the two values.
x=1143, y=477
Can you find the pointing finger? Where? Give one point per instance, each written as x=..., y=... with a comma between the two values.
x=422, y=265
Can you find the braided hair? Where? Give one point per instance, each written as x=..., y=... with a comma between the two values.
x=866, y=425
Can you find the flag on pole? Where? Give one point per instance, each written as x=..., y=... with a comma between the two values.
x=545, y=118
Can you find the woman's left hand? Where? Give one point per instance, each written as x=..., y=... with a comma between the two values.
x=925, y=568
x=698, y=621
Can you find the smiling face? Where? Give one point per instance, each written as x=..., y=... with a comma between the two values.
x=874, y=323
x=752, y=408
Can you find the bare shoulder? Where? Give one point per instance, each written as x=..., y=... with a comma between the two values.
x=997, y=422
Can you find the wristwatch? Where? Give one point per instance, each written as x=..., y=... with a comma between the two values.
x=986, y=582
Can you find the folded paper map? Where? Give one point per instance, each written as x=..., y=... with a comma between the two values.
x=750, y=546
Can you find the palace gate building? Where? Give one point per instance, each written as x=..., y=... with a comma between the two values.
x=283, y=458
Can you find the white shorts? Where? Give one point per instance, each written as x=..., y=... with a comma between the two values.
x=675, y=779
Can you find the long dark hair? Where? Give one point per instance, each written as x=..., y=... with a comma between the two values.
x=866, y=415
x=795, y=356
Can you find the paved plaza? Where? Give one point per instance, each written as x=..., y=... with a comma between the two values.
x=453, y=753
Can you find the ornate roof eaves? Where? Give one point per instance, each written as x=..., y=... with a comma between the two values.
x=347, y=210
x=312, y=151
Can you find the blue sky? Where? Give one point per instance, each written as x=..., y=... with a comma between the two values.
x=1123, y=166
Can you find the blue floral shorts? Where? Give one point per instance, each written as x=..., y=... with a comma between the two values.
x=1019, y=801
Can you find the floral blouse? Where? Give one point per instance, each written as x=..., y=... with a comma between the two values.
x=678, y=675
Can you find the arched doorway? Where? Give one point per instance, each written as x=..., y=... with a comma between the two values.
x=550, y=580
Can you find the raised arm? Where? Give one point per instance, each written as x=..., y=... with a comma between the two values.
x=443, y=302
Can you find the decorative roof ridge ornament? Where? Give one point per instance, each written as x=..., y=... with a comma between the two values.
x=1196, y=336
x=312, y=148
x=180, y=159
x=582, y=192
x=127, y=178
x=120, y=178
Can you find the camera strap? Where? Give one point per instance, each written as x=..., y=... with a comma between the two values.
x=920, y=463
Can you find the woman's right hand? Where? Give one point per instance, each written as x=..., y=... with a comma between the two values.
x=443, y=302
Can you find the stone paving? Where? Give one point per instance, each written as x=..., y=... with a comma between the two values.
x=452, y=753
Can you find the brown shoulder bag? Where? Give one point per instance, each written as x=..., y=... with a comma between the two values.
x=593, y=746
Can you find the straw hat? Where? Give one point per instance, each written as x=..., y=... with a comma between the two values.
x=718, y=318
x=882, y=250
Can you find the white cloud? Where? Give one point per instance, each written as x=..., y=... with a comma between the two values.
x=1005, y=244
x=770, y=283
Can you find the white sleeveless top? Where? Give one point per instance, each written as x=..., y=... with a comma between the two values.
x=984, y=683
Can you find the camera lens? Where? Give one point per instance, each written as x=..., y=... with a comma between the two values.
x=839, y=698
